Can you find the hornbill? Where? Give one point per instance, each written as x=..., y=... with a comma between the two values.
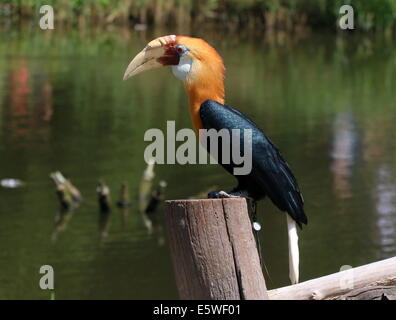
x=201, y=68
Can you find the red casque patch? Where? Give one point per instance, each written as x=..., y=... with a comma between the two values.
x=170, y=57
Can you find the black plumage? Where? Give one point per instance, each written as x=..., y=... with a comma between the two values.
x=270, y=175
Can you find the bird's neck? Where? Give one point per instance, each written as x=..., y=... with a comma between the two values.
x=201, y=90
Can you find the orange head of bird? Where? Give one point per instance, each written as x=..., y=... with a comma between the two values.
x=192, y=60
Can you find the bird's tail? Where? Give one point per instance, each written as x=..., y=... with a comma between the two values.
x=294, y=255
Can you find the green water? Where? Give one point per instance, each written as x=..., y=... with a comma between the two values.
x=327, y=102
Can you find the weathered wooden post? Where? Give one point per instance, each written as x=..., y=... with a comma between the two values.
x=103, y=192
x=69, y=196
x=213, y=249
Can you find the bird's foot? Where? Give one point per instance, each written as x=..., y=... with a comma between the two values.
x=220, y=194
x=230, y=194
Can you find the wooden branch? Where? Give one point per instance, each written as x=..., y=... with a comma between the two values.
x=371, y=293
x=64, y=196
x=76, y=194
x=337, y=283
x=213, y=249
x=157, y=196
x=69, y=196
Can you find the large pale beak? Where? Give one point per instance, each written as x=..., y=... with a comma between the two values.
x=156, y=54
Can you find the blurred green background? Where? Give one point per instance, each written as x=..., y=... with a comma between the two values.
x=231, y=14
x=326, y=97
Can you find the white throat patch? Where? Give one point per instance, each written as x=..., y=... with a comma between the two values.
x=183, y=68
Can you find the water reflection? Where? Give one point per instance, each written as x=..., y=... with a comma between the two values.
x=62, y=219
x=144, y=195
x=27, y=85
x=343, y=153
x=69, y=198
x=152, y=215
x=19, y=99
x=385, y=195
x=44, y=98
x=104, y=225
x=149, y=199
x=124, y=203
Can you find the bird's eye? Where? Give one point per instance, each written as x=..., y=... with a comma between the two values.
x=180, y=50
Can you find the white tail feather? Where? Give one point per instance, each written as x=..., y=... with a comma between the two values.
x=294, y=255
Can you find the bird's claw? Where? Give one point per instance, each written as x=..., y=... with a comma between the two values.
x=221, y=195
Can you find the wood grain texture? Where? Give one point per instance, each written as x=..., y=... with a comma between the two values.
x=213, y=250
x=371, y=293
x=338, y=283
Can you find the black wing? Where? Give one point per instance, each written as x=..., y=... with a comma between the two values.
x=270, y=172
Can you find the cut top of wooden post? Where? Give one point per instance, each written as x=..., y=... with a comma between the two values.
x=213, y=249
